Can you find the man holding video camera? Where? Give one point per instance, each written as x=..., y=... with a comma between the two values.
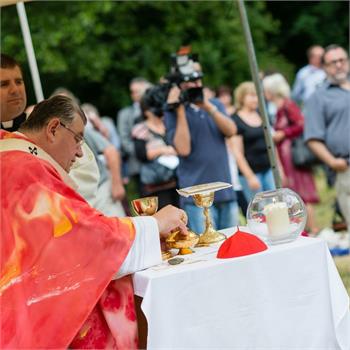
x=197, y=128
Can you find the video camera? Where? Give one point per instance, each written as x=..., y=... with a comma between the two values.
x=183, y=69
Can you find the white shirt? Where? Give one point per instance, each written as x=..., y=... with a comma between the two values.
x=306, y=82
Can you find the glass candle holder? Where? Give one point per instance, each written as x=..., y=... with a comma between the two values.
x=277, y=216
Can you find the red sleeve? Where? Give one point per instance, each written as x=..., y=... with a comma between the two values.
x=296, y=120
x=57, y=254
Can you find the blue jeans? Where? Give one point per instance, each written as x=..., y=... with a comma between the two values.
x=266, y=180
x=223, y=215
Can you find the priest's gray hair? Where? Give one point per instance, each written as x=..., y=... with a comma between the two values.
x=59, y=106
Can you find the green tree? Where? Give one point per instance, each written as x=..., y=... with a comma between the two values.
x=95, y=48
x=306, y=23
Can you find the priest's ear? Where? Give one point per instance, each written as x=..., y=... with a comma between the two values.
x=52, y=128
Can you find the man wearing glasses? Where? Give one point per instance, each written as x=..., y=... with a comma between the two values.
x=327, y=122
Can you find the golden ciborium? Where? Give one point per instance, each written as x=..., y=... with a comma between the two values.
x=145, y=207
x=183, y=243
x=203, y=196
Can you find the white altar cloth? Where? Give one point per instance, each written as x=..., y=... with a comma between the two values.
x=288, y=297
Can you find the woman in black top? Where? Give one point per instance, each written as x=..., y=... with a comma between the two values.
x=249, y=143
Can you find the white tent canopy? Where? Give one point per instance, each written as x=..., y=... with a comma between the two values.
x=10, y=2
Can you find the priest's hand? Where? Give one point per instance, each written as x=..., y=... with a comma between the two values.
x=170, y=218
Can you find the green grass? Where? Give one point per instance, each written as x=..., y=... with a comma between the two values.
x=343, y=266
x=324, y=210
x=324, y=214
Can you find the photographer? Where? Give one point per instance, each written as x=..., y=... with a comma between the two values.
x=197, y=128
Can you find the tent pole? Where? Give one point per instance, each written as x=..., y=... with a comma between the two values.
x=262, y=106
x=30, y=51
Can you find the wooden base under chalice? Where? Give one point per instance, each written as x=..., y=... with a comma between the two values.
x=203, y=196
x=145, y=207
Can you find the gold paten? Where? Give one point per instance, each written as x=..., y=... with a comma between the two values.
x=184, y=244
x=203, y=196
x=145, y=207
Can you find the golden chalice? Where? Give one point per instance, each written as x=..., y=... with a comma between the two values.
x=203, y=196
x=145, y=207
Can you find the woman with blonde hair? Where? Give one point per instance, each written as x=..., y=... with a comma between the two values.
x=289, y=124
x=249, y=145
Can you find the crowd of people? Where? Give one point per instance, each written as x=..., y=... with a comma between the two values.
x=218, y=139
x=65, y=167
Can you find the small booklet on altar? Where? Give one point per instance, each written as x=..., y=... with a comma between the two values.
x=203, y=188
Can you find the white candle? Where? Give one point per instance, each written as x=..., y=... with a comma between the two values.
x=277, y=218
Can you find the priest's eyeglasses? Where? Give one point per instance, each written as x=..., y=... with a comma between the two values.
x=78, y=138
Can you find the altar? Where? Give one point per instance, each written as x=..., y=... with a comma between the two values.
x=287, y=297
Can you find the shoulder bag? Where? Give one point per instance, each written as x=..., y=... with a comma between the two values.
x=302, y=156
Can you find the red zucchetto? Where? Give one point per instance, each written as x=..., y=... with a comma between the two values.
x=240, y=244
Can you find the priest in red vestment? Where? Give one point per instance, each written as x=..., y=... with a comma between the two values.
x=58, y=254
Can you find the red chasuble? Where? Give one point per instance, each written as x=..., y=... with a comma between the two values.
x=58, y=256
